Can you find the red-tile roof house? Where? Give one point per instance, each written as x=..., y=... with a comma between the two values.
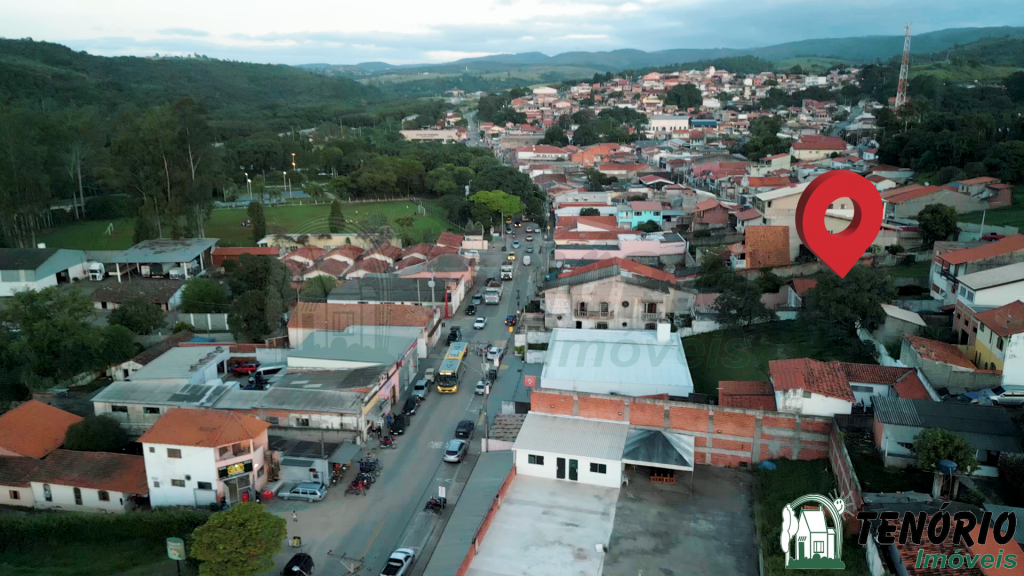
x=34, y=429
x=305, y=255
x=219, y=255
x=15, y=474
x=368, y=266
x=348, y=253
x=386, y=252
x=938, y=351
x=89, y=481
x=741, y=394
x=709, y=214
x=626, y=265
x=829, y=385
x=203, y=428
x=338, y=317
x=326, y=267
x=796, y=290
x=450, y=239
x=952, y=264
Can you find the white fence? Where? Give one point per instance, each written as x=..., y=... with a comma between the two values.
x=202, y=322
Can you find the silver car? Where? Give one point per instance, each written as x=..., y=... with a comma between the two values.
x=308, y=491
x=455, y=451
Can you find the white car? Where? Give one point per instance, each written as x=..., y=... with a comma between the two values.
x=400, y=563
x=480, y=323
x=529, y=238
x=495, y=353
x=515, y=243
x=471, y=254
x=481, y=388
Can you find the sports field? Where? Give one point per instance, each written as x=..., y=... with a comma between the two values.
x=226, y=224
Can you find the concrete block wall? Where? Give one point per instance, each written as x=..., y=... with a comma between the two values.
x=723, y=436
x=846, y=477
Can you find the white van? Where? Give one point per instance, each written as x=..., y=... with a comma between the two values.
x=526, y=260
x=1004, y=395
x=266, y=370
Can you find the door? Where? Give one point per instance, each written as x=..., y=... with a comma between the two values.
x=574, y=469
x=560, y=471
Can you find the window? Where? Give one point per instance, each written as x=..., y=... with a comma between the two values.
x=47, y=495
x=156, y=483
x=604, y=308
x=152, y=450
x=650, y=326
x=652, y=307
x=302, y=422
x=867, y=389
x=259, y=473
x=10, y=276
x=534, y=459
x=819, y=546
x=970, y=296
x=273, y=420
x=999, y=343
x=150, y=410
x=598, y=468
x=15, y=495
x=119, y=409
x=103, y=495
x=178, y=483
x=957, y=315
x=602, y=326
x=204, y=485
x=807, y=394
x=907, y=445
x=78, y=496
x=174, y=453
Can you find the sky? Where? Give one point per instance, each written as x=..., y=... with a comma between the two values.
x=433, y=31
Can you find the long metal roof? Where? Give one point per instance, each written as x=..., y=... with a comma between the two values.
x=985, y=427
x=571, y=435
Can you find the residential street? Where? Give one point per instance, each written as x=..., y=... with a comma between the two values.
x=391, y=514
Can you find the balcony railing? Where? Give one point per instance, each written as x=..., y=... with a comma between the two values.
x=593, y=314
x=233, y=452
x=650, y=316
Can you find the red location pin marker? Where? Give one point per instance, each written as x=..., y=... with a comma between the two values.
x=839, y=251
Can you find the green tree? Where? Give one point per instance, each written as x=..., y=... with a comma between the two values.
x=1015, y=86
x=96, y=433
x=203, y=296
x=143, y=230
x=936, y=222
x=589, y=212
x=837, y=307
x=258, y=221
x=555, y=136
x=117, y=345
x=341, y=187
x=139, y=316
x=585, y=135
x=649, y=226
x=491, y=204
x=768, y=281
x=934, y=444
x=314, y=189
x=684, y=96
x=739, y=305
x=715, y=274
x=318, y=287
x=255, y=315
x=336, y=221
x=261, y=273
x=241, y=541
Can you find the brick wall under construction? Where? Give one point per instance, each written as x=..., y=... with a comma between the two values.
x=723, y=436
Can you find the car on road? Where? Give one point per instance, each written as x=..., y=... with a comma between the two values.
x=529, y=238
x=480, y=323
x=510, y=320
x=244, y=368
x=511, y=256
x=515, y=243
x=495, y=353
x=455, y=334
x=400, y=563
x=529, y=249
x=420, y=389
x=411, y=403
x=308, y=491
x=481, y=387
x=298, y=565
x=455, y=450
x=476, y=299
x=398, y=424
x=471, y=310
x=508, y=229
x=428, y=375
x=465, y=429
x=471, y=254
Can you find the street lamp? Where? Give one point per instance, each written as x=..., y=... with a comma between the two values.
x=248, y=185
x=293, y=160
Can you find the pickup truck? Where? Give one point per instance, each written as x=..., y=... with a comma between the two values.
x=400, y=563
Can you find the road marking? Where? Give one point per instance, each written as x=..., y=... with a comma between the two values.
x=373, y=537
x=435, y=445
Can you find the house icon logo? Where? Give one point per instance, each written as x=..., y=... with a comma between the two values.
x=812, y=533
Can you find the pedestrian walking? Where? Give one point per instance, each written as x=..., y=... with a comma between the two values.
x=295, y=516
x=380, y=433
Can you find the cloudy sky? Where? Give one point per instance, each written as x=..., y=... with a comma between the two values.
x=413, y=31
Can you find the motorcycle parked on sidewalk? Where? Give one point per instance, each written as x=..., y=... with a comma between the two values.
x=388, y=442
x=436, y=505
x=356, y=487
x=366, y=477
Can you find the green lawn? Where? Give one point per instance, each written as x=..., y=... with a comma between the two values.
x=1009, y=216
x=773, y=489
x=919, y=269
x=225, y=224
x=725, y=355
x=872, y=473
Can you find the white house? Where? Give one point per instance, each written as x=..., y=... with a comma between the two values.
x=571, y=448
x=88, y=481
x=194, y=457
x=38, y=268
x=805, y=386
x=185, y=365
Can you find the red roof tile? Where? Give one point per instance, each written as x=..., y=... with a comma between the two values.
x=94, y=470
x=907, y=193
x=254, y=250
x=307, y=252
x=938, y=351
x=748, y=214
x=802, y=285
x=1005, y=320
x=203, y=428
x=739, y=394
x=328, y=266
x=450, y=239
x=979, y=180
x=762, y=181
x=910, y=387
x=408, y=261
x=337, y=317
x=561, y=234
x=872, y=373
x=986, y=251
x=34, y=429
x=16, y=470
x=350, y=251
x=628, y=266
x=824, y=378
x=371, y=265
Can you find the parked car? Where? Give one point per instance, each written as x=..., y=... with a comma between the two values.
x=476, y=299
x=495, y=353
x=398, y=424
x=510, y=320
x=428, y=375
x=465, y=429
x=266, y=370
x=411, y=403
x=515, y=243
x=529, y=238
x=455, y=334
x=420, y=389
x=244, y=368
x=455, y=450
x=308, y=491
x=471, y=310
x=471, y=254
x=298, y=565
x=480, y=323
x=1003, y=395
x=400, y=563
x=481, y=387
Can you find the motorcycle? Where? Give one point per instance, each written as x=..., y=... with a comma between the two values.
x=388, y=442
x=366, y=477
x=335, y=477
x=436, y=505
x=356, y=487
x=370, y=468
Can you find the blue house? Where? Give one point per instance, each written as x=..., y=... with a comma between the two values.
x=636, y=213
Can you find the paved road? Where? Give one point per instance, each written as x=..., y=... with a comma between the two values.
x=391, y=514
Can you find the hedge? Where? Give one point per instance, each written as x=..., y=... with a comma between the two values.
x=61, y=527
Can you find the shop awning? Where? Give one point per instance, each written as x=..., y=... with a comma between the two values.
x=346, y=452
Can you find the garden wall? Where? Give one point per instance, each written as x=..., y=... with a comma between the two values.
x=846, y=477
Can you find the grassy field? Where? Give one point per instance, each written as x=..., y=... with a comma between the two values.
x=226, y=224
x=811, y=63
x=724, y=355
x=1009, y=216
x=919, y=269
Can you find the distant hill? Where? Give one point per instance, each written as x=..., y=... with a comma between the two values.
x=861, y=49
x=42, y=71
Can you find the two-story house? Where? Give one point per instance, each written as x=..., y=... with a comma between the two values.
x=985, y=290
x=614, y=293
x=195, y=457
x=951, y=261
x=639, y=212
x=999, y=343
